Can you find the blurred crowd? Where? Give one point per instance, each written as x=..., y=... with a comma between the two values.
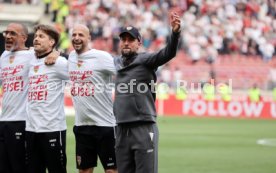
x=210, y=27
x=105, y=18
x=215, y=27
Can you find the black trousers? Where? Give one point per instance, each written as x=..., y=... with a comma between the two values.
x=46, y=151
x=12, y=147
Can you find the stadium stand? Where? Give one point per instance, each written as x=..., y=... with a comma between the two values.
x=243, y=70
x=231, y=39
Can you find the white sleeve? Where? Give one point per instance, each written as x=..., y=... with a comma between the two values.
x=62, y=68
x=107, y=63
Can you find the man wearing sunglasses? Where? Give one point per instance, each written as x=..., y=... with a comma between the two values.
x=14, y=69
x=14, y=65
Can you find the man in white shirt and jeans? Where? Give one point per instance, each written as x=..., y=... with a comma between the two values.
x=46, y=123
x=91, y=73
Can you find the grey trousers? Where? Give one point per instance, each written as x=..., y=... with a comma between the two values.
x=137, y=148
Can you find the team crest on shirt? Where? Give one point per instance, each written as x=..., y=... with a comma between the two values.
x=11, y=59
x=79, y=160
x=80, y=62
x=36, y=68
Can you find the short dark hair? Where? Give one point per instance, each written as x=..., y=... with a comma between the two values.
x=49, y=30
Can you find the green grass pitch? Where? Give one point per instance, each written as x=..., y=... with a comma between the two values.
x=206, y=145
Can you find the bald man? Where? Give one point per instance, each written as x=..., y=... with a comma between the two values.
x=91, y=73
x=14, y=68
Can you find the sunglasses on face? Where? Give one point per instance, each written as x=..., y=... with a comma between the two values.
x=11, y=33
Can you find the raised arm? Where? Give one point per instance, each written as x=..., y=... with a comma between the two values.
x=167, y=53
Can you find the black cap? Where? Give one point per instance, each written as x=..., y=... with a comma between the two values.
x=132, y=31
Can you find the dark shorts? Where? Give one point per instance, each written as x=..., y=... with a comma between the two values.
x=12, y=147
x=46, y=151
x=94, y=141
x=137, y=147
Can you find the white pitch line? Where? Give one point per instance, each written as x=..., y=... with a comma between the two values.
x=267, y=142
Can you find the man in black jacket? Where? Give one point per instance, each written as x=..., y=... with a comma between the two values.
x=134, y=107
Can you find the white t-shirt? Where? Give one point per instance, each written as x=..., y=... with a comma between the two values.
x=45, y=96
x=14, y=67
x=91, y=78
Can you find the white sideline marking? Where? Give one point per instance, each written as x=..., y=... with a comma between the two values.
x=267, y=142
